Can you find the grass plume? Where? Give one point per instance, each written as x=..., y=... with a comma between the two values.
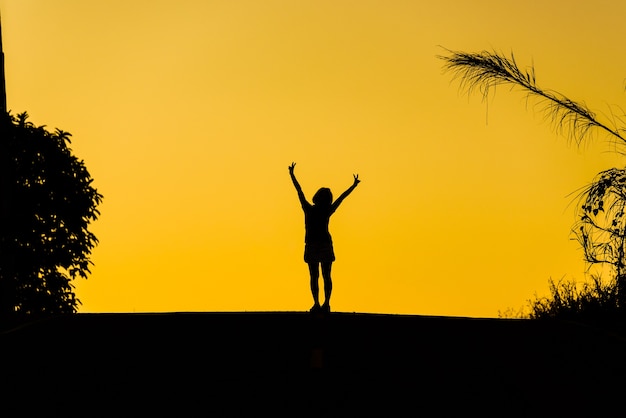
x=485, y=70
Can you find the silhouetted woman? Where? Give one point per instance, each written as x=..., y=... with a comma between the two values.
x=318, y=244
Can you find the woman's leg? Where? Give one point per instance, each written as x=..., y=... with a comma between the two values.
x=315, y=287
x=328, y=283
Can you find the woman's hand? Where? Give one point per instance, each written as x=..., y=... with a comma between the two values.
x=291, y=168
x=356, y=179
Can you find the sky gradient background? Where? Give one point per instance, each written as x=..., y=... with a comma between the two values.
x=187, y=114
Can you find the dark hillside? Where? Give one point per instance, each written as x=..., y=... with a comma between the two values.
x=292, y=364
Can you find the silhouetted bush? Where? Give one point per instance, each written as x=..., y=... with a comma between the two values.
x=589, y=301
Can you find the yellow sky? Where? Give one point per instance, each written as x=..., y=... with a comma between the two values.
x=187, y=114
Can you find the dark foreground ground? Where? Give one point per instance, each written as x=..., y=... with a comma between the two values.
x=292, y=364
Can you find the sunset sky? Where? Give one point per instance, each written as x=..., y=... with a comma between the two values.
x=187, y=114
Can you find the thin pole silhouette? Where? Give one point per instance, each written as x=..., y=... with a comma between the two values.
x=3, y=90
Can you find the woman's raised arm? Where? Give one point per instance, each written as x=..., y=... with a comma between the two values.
x=303, y=201
x=345, y=194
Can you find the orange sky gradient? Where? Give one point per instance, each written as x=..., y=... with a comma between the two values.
x=187, y=114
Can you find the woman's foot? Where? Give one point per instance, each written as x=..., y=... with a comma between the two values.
x=316, y=308
x=326, y=308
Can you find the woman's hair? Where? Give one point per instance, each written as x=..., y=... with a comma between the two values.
x=323, y=197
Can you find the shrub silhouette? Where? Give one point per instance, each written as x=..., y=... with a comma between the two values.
x=593, y=301
x=601, y=225
x=48, y=202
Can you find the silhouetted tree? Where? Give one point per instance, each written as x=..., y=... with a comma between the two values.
x=47, y=204
x=601, y=229
x=601, y=225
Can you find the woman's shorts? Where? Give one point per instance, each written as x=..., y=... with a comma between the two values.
x=319, y=252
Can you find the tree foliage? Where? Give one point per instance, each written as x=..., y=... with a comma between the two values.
x=48, y=202
x=601, y=222
x=601, y=228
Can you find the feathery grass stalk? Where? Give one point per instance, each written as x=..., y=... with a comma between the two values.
x=485, y=70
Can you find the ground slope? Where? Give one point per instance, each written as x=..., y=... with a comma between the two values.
x=294, y=364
